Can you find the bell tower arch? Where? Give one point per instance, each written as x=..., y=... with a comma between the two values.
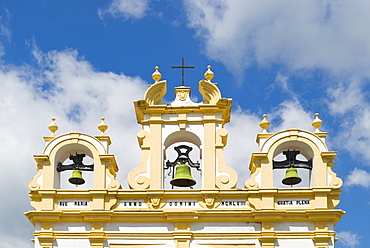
x=74, y=148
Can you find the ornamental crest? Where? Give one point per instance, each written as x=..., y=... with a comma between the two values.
x=182, y=95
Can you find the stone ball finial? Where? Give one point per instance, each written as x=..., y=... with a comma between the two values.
x=53, y=127
x=317, y=123
x=156, y=75
x=209, y=74
x=264, y=124
x=102, y=126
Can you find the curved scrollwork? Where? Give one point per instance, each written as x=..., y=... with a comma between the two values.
x=209, y=91
x=155, y=93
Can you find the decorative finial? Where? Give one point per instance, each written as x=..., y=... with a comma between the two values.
x=264, y=124
x=156, y=75
x=102, y=126
x=209, y=74
x=317, y=123
x=53, y=127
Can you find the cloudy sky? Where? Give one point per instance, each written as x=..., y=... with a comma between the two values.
x=80, y=60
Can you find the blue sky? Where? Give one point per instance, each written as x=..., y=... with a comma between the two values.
x=80, y=60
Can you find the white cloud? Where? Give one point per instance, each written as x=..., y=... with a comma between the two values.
x=292, y=115
x=350, y=105
x=348, y=238
x=358, y=177
x=300, y=34
x=126, y=9
x=67, y=87
x=346, y=97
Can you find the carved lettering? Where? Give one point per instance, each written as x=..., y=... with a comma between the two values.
x=132, y=204
x=182, y=203
x=73, y=203
x=293, y=202
x=233, y=203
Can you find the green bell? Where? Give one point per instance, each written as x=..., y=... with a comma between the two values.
x=183, y=177
x=76, y=177
x=291, y=177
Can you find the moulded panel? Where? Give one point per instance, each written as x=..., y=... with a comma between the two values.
x=294, y=226
x=225, y=227
x=136, y=228
x=301, y=243
x=224, y=243
x=72, y=227
x=137, y=243
x=194, y=116
x=72, y=243
x=169, y=117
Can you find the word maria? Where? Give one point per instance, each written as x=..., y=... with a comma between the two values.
x=73, y=203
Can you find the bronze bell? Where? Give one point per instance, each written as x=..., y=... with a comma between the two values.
x=183, y=177
x=76, y=177
x=291, y=177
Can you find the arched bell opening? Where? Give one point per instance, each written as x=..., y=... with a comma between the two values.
x=182, y=161
x=292, y=165
x=74, y=167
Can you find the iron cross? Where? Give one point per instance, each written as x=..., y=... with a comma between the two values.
x=182, y=68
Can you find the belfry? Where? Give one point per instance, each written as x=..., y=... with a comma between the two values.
x=182, y=193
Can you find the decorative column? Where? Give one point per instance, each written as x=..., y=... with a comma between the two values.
x=182, y=235
x=321, y=242
x=156, y=175
x=209, y=159
x=97, y=235
x=268, y=235
x=46, y=239
x=46, y=242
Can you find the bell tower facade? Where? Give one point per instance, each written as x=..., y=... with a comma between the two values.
x=182, y=193
x=200, y=124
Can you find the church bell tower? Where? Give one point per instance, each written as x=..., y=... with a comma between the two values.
x=182, y=193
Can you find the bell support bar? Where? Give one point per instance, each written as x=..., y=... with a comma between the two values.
x=291, y=161
x=183, y=157
x=77, y=163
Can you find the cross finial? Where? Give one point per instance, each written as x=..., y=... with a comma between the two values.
x=182, y=68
